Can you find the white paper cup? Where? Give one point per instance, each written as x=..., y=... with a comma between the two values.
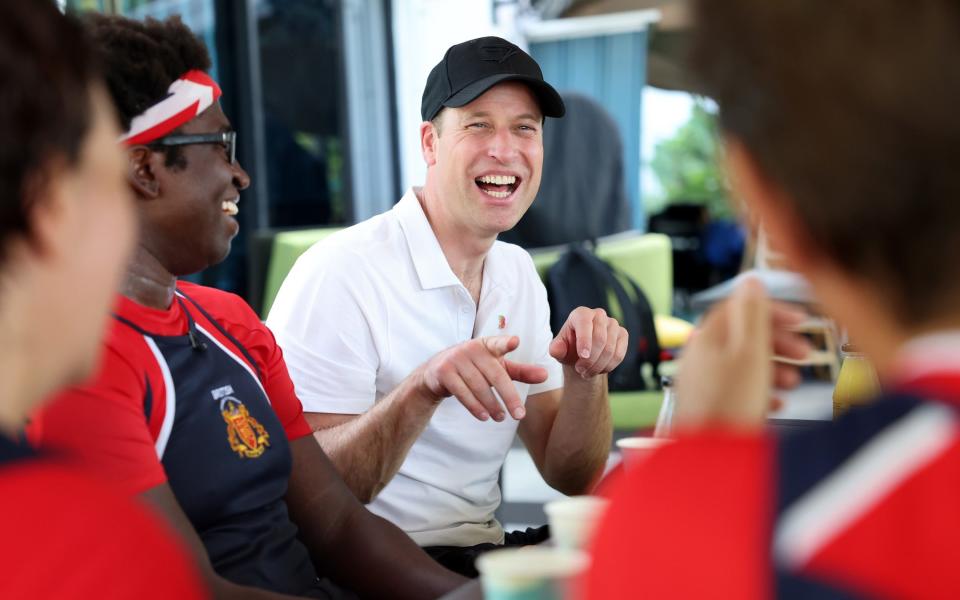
x=637, y=449
x=530, y=573
x=574, y=519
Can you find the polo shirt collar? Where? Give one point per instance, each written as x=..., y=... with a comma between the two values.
x=428, y=259
x=425, y=252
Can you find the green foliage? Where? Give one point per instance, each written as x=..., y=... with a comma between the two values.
x=688, y=168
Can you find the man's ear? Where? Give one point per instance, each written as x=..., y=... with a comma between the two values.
x=769, y=205
x=428, y=142
x=50, y=201
x=142, y=171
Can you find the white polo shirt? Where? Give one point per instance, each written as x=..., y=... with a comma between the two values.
x=363, y=308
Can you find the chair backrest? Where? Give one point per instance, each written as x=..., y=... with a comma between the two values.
x=287, y=248
x=647, y=259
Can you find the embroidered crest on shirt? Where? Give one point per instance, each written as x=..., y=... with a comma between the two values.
x=247, y=437
x=501, y=322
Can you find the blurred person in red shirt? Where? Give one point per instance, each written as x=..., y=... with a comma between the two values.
x=840, y=123
x=66, y=231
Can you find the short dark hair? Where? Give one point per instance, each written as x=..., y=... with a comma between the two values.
x=851, y=107
x=437, y=120
x=47, y=67
x=141, y=59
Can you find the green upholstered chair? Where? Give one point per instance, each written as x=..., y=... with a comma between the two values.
x=648, y=260
x=287, y=248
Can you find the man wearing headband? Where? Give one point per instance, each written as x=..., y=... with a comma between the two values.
x=421, y=346
x=193, y=409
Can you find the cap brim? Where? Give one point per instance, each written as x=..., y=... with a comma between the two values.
x=551, y=104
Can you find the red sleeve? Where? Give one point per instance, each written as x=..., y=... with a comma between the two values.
x=101, y=424
x=282, y=395
x=236, y=316
x=692, y=521
x=65, y=537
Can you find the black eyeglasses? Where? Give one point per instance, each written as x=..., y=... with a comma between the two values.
x=227, y=138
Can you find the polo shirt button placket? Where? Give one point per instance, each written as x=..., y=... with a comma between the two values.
x=466, y=322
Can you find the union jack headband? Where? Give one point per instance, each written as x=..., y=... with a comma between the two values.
x=186, y=98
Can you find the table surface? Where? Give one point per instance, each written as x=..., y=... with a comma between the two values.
x=810, y=401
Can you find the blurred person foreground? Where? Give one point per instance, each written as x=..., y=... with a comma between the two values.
x=844, y=151
x=66, y=230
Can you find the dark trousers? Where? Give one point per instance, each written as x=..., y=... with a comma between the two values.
x=327, y=590
x=462, y=559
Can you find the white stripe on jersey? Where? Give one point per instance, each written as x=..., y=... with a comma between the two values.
x=170, y=397
x=862, y=482
x=239, y=360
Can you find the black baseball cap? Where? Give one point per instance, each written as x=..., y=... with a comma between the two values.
x=471, y=68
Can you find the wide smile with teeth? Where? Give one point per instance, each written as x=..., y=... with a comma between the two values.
x=229, y=207
x=498, y=186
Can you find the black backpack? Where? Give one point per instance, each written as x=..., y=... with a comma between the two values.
x=580, y=278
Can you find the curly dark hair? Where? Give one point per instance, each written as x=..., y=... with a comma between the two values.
x=851, y=107
x=47, y=67
x=141, y=59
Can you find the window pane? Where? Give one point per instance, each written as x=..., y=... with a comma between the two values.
x=300, y=66
x=198, y=15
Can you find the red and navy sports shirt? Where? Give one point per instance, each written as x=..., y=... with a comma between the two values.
x=868, y=507
x=102, y=423
x=196, y=396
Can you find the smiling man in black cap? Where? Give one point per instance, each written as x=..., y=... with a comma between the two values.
x=420, y=346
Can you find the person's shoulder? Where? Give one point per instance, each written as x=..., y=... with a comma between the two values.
x=374, y=236
x=229, y=311
x=97, y=532
x=834, y=441
x=121, y=326
x=218, y=303
x=861, y=479
x=121, y=338
x=211, y=295
x=123, y=353
x=371, y=248
x=808, y=457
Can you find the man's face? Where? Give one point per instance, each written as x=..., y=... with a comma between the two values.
x=489, y=158
x=191, y=226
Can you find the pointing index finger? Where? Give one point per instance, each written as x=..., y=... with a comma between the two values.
x=499, y=345
x=582, y=325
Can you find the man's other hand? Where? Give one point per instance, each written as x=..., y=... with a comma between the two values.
x=591, y=342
